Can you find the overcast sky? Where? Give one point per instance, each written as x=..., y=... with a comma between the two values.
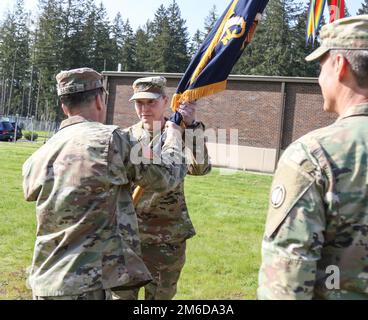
x=139, y=11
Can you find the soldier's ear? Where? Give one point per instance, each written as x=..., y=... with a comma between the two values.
x=65, y=109
x=99, y=102
x=341, y=66
x=166, y=99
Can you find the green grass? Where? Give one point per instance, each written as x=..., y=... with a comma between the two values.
x=228, y=212
x=17, y=221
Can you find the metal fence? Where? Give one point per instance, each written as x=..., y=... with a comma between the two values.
x=45, y=129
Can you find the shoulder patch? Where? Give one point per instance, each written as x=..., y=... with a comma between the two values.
x=278, y=194
x=289, y=185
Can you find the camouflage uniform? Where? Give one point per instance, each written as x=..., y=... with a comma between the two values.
x=87, y=232
x=316, y=229
x=164, y=222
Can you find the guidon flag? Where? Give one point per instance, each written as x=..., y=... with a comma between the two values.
x=210, y=67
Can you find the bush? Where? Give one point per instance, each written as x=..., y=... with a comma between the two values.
x=28, y=135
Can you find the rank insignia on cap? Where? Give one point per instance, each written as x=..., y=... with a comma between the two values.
x=278, y=196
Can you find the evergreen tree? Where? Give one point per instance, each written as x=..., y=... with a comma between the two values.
x=161, y=41
x=78, y=33
x=161, y=51
x=160, y=19
x=346, y=11
x=196, y=42
x=14, y=58
x=210, y=20
x=253, y=55
x=271, y=51
x=48, y=57
x=8, y=54
x=298, y=66
x=129, y=48
x=103, y=44
x=364, y=8
x=179, y=58
x=143, y=49
x=117, y=38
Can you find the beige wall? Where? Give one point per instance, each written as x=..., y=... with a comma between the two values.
x=242, y=157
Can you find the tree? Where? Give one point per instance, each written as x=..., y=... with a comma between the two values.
x=8, y=54
x=169, y=51
x=298, y=66
x=271, y=51
x=78, y=28
x=196, y=42
x=143, y=48
x=103, y=50
x=210, y=21
x=364, y=8
x=48, y=56
x=179, y=59
x=14, y=58
x=346, y=11
x=161, y=51
x=129, y=48
x=159, y=21
x=161, y=41
x=117, y=38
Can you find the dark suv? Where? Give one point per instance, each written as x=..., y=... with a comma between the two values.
x=6, y=131
x=19, y=130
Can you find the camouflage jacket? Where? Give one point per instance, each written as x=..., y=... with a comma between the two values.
x=163, y=216
x=316, y=239
x=87, y=230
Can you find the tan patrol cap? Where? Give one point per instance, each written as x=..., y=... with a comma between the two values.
x=148, y=88
x=78, y=80
x=349, y=33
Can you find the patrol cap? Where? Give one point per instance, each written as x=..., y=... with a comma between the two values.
x=78, y=80
x=148, y=88
x=349, y=33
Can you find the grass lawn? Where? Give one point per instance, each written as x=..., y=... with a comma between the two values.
x=228, y=212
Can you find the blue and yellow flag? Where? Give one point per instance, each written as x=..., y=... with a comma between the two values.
x=212, y=64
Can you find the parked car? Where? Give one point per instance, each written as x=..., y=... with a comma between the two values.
x=19, y=130
x=6, y=131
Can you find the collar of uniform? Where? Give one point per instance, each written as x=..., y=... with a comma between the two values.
x=72, y=120
x=357, y=110
x=139, y=132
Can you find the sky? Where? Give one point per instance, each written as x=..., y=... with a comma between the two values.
x=139, y=11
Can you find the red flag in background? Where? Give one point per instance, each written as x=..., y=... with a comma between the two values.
x=337, y=9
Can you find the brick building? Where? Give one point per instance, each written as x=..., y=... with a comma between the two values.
x=265, y=113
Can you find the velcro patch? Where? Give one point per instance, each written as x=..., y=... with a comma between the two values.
x=289, y=185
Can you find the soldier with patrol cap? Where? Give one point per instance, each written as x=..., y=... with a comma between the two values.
x=316, y=240
x=87, y=233
x=163, y=218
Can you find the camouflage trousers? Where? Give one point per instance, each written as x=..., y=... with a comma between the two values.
x=91, y=295
x=165, y=262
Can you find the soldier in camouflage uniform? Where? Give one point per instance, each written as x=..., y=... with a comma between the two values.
x=87, y=232
x=316, y=239
x=164, y=222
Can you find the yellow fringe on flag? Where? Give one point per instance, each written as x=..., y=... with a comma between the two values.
x=197, y=93
x=207, y=56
